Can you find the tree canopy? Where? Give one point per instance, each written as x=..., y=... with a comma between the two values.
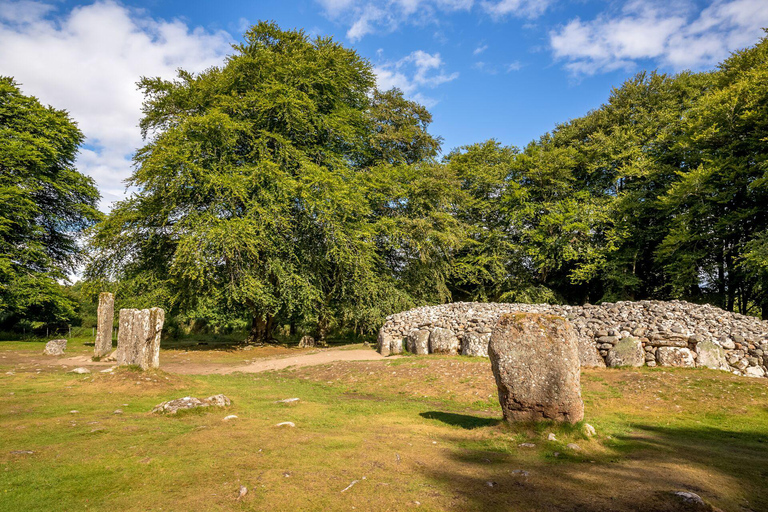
x=44, y=206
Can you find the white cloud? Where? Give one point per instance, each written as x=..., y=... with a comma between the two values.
x=480, y=49
x=366, y=17
x=88, y=61
x=520, y=8
x=412, y=73
x=676, y=36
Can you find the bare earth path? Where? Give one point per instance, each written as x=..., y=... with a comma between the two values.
x=253, y=366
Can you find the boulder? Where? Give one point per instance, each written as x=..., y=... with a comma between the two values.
x=475, y=344
x=626, y=352
x=674, y=356
x=307, y=342
x=190, y=402
x=754, y=371
x=105, y=318
x=535, y=360
x=418, y=342
x=443, y=341
x=55, y=348
x=711, y=355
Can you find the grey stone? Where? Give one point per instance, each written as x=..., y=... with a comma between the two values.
x=55, y=347
x=190, y=402
x=535, y=361
x=443, y=341
x=105, y=318
x=754, y=371
x=627, y=352
x=475, y=344
x=674, y=356
x=418, y=342
x=138, y=337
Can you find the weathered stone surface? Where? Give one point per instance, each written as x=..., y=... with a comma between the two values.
x=627, y=352
x=138, y=337
x=396, y=346
x=674, y=356
x=55, y=348
x=475, y=344
x=535, y=360
x=754, y=371
x=418, y=342
x=711, y=355
x=190, y=402
x=443, y=341
x=105, y=318
x=307, y=342
x=589, y=356
x=384, y=342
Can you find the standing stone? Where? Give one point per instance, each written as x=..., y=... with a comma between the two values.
x=138, y=340
x=674, y=356
x=384, y=343
x=443, y=341
x=105, y=315
x=307, y=342
x=535, y=360
x=418, y=342
x=55, y=348
x=475, y=344
x=396, y=346
x=711, y=355
x=626, y=352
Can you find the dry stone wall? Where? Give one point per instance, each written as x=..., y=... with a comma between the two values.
x=674, y=333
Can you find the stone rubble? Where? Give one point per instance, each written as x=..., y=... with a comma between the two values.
x=55, y=348
x=190, y=402
x=650, y=333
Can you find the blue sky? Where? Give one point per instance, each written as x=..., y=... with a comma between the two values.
x=504, y=69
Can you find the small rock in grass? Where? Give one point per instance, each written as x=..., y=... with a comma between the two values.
x=55, y=348
x=551, y=437
x=287, y=401
x=22, y=452
x=589, y=430
x=230, y=417
x=286, y=424
x=108, y=370
x=556, y=454
x=691, y=498
x=527, y=445
x=242, y=493
x=190, y=402
x=574, y=447
x=520, y=472
x=80, y=371
x=118, y=411
x=491, y=484
x=73, y=412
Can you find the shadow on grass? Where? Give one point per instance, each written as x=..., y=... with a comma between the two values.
x=637, y=471
x=460, y=420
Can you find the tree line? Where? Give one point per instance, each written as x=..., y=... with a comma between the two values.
x=281, y=191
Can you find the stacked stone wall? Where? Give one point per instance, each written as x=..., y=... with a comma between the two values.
x=674, y=333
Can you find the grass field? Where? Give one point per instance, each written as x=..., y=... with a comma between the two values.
x=416, y=433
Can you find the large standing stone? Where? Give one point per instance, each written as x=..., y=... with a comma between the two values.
x=535, y=360
x=55, y=348
x=711, y=355
x=138, y=338
x=475, y=344
x=674, y=356
x=105, y=316
x=418, y=342
x=443, y=341
x=384, y=343
x=626, y=352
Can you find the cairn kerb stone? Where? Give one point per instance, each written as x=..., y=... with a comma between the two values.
x=535, y=360
x=675, y=356
x=626, y=352
x=443, y=341
x=475, y=344
x=418, y=342
x=105, y=317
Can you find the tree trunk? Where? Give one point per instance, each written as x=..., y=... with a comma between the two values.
x=262, y=328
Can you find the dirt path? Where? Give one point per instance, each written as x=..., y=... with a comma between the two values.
x=255, y=366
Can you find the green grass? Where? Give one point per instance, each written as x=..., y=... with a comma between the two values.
x=392, y=422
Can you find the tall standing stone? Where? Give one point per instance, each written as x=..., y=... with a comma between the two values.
x=535, y=360
x=138, y=338
x=105, y=318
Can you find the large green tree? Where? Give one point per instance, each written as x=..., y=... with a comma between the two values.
x=45, y=204
x=258, y=185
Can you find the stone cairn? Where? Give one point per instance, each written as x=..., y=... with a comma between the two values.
x=105, y=318
x=138, y=337
x=651, y=333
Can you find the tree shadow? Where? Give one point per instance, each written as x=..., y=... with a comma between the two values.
x=460, y=420
x=637, y=471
